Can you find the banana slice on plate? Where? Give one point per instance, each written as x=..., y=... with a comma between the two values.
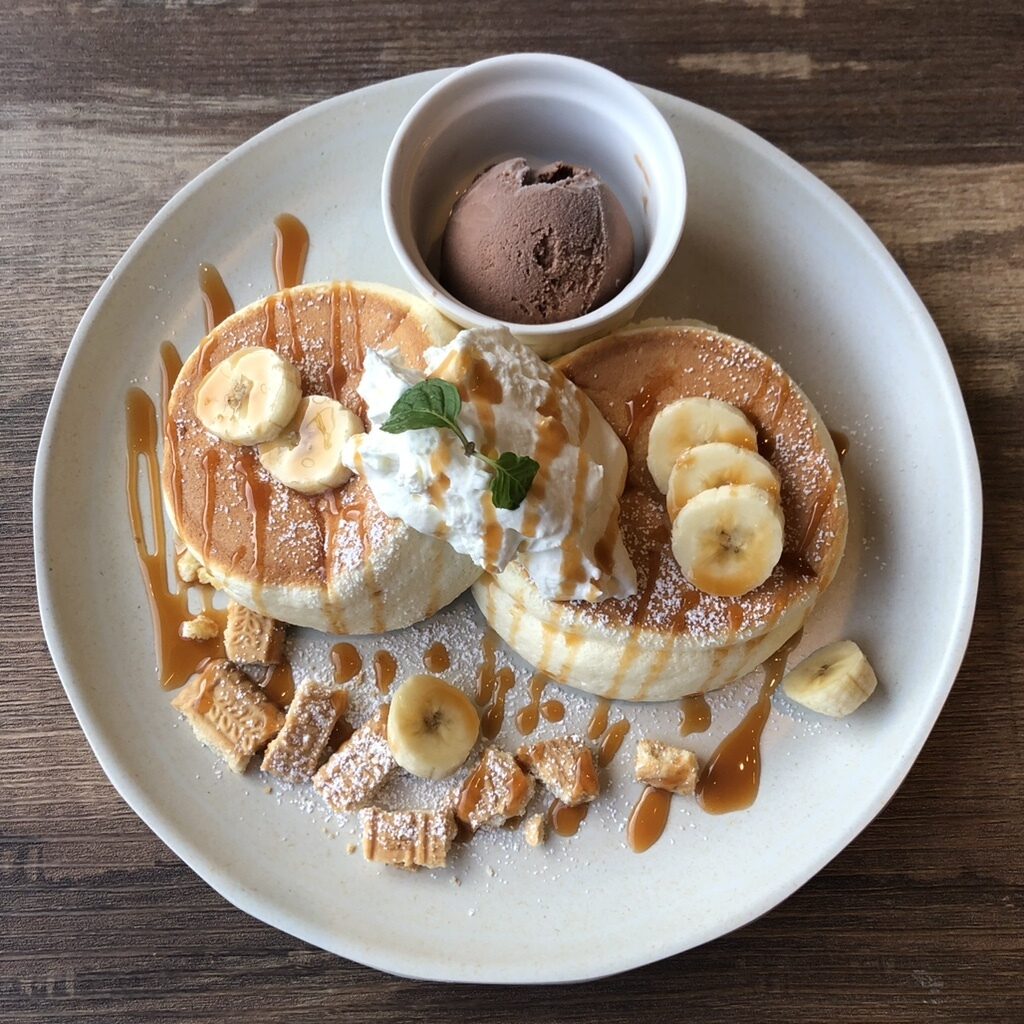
x=249, y=397
x=728, y=539
x=714, y=465
x=306, y=456
x=689, y=422
x=432, y=727
x=834, y=680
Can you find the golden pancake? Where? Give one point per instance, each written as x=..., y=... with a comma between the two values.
x=331, y=561
x=670, y=639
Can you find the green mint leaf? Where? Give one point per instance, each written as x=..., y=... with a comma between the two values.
x=430, y=403
x=513, y=476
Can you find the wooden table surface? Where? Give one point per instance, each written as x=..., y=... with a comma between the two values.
x=911, y=111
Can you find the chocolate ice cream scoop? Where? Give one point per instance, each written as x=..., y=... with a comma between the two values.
x=536, y=247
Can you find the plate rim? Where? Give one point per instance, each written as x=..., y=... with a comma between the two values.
x=425, y=967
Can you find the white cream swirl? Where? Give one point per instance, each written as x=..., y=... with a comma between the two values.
x=566, y=532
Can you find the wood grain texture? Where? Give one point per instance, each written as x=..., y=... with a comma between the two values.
x=911, y=111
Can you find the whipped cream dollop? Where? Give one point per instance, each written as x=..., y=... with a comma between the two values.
x=566, y=532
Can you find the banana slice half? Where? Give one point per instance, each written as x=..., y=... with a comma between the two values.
x=306, y=456
x=432, y=727
x=249, y=397
x=713, y=465
x=834, y=680
x=728, y=539
x=689, y=422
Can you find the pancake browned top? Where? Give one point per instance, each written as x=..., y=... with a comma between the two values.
x=238, y=519
x=632, y=374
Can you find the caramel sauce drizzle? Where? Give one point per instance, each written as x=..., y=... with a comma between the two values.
x=337, y=375
x=297, y=351
x=440, y=457
x=640, y=408
x=170, y=367
x=730, y=779
x=552, y=710
x=599, y=719
x=736, y=616
x=291, y=244
x=612, y=742
x=168, y=603
x=269, y=336
x=211, y=463
x=280, y=685
x=385, y=667
x=494, y=716
x=552, y=437
x=217, y=302
x=257, y=495
x=346, y=661
x=647, y=822
x=528, y=717
x=471, y=793
x=487, y=677
x=694, y=714
x=566, y=820
x=436, y=658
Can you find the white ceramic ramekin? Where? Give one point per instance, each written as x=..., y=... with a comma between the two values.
x=543, y=107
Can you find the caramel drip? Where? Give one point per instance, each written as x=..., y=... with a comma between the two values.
x=552, y=710
x=640, y=408
x=484, y=390
x=694, y=714
x=494, y=716
x=280, y=685
x=297, y=351
x=552, y=437
x=347, y=662
x=269, y=336
x=170, y=368
x=841, y=442
x=440, y=457
x=818, y=510
x=599, y=719
x=385, y=667
x=781, y=400
x=486, y=680
x=337, y=375
x=355, y=512
x=217, y=302
x=492, y=532
x=612, y=742
x=436, y=658
x=257, y=494
x=211, y=463
x=566, y=820
x=573, y=642
x=729, y=781
x=528, y=717
x=471, y=793
x=604, y=550
x=177, y=658
x=647, y=822
x=736, y=617
x=572, y=570
x=291, y=244
x=357, y=340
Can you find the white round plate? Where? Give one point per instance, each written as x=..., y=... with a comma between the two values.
x=770, y=254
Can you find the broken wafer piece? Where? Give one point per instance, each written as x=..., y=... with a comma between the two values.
x=202, y=627
x=251, y=638
x=407, y=839
x=535, y=831
x=359, y=767
x=666, y=767
x=294, y=753
x=188, y=567
x=497, y=789
x=228, y=713
x=566, y=768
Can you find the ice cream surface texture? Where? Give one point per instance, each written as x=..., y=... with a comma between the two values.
x=566, y=532
x=536, y=247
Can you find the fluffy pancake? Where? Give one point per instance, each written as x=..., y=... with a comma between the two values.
x=333, y=561
x=670, y=639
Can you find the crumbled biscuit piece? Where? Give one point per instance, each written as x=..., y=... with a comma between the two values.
x=251, y=638
x=228, y=713
x=666, y=767
x=566, y=767
x=188, y=567
x=294, y=753
x=497, y=789
x=204, y=577
x=358, y=768
x=407, y=839
x=202, y=627
x=535, y=831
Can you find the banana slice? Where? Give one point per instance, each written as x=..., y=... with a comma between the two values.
x=713, y=465
x=689, y=422
x=307, y=455
x=249, y=397
x=728, y=539
x=834, y=680
x=431, y=727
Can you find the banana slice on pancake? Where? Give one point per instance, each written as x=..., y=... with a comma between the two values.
x=715, y=465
